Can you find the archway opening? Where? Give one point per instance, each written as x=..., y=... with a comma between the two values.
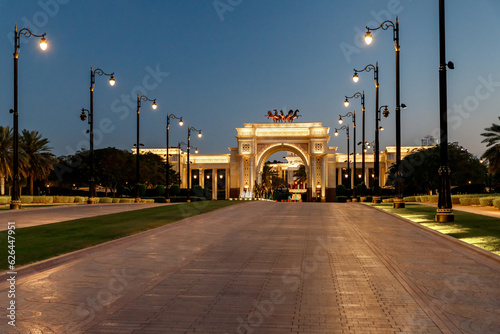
x=282, y=171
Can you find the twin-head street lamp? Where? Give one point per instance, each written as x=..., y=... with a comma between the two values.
x=188, y=162
x=16, y=198
x=378, y=128
x=353, y=116
x=346, y=128
x=398, y=202
x=167, y=192
x=346, y=103
x=138, y=171
x=90, y=113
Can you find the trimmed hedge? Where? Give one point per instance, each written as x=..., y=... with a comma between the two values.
x=487, y=201
x=26, y=199
x=388, y=200
x=105, y=200
x=43, y=199
x=116, y=200
x=496, y=202
x=127, y=200
x=4, y=199
x=409, y=199
x=81, y=199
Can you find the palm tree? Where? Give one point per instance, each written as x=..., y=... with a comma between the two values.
x=267, y=176
x=492, y=154
x=39, y=161
x=5, y=156
x=300, y=174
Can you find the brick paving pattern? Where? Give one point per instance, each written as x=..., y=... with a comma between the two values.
x=269, y=268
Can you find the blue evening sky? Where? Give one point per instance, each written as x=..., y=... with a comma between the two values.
x=223, y=63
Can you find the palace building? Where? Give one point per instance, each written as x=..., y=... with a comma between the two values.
x=236, y=173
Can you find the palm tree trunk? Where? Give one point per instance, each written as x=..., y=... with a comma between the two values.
x=2, y=185
x=31, y=184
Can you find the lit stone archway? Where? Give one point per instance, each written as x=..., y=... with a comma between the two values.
x=257, y=141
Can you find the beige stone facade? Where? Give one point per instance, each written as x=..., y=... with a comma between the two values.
x=235, y=173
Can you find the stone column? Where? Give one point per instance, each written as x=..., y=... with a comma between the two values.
x=214, y=184
x=313, y=176
x=323, y=178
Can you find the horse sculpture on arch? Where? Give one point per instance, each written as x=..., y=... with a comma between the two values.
x=281, y=117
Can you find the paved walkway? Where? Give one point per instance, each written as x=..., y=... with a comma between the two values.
x=265, y=267
x=54, y=214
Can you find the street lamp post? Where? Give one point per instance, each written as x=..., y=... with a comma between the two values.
x=346, y=128
x=355, y=78
x=98, y=71
x=167, y=179
x=137, y=158
x=398, y=202
x=15, y=202
x=346, y=103
x=444, y=210
x=188, y=162
x=353, y=179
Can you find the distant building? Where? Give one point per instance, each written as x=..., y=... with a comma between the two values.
x=429, y=141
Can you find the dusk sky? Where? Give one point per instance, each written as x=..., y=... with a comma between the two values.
x=219, y=67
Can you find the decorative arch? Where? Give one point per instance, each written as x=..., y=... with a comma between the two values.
x=277, y=148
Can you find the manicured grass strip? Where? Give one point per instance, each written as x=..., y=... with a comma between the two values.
x=46, y=241
x=478, y=230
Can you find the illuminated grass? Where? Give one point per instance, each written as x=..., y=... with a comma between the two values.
x=478, y=230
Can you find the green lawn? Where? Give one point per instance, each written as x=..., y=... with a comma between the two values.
x=42, y=242
x=481, y=231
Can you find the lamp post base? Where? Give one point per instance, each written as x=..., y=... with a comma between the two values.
x=167, y=200
x=398, y=203
x=376, y=199
x=15, y=205
x=445, y=216
x=91, y=200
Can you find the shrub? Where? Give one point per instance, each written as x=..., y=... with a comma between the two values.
x=80, y=199
x=175, y=190
x=142, y=190
x=147, y=200
x=127, y=200
x=341, y=199
x=424, y=198
x=455, y=199
x=466, y=200
x=26, y=199
x=487, y=201
x=409, y=199
x=433, y=198
x=341, y=190
x=97, y=200
x=160, y=190
x=62, y=199
x=105, y=200
x=43, y=199
x=116, y=200
x=496, y=202
x=388, y=200
x=4, y=199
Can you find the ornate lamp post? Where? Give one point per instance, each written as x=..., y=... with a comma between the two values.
x=398, y=202
x=98, y=71
x=346, y=128
x=169, y=116
x=377, y=150
x=355, y=78
x=188, y=149
x=444, y=210
x=137, y=161
x=346, y=103
x=15, y=202
x=353, y=180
